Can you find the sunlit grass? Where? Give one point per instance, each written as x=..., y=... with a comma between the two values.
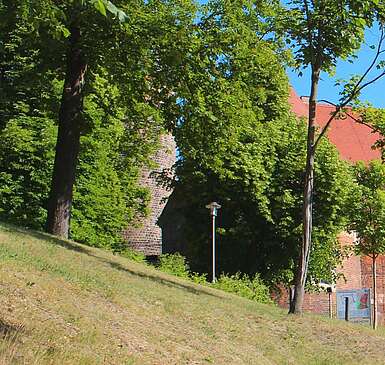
x=64, y=303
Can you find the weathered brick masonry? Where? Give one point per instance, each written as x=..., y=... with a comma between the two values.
x=146, y=235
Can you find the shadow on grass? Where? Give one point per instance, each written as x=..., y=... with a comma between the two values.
x=46, y=237
x=59, y=242
x=115, y=265
x=163, y=281
x=8, y=330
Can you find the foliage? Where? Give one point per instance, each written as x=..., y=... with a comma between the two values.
x=240, y=145
x=174, y=264
x=318, y=41
x=131, y=254
x=251, y=288
x=217, y=81
x=139, y=62
x=122, y=116
x=368, y=208
x=198, y=278
x=107, y=195
x=26, y=158
x=251, y=239
x=26, y=85
x=368, y=217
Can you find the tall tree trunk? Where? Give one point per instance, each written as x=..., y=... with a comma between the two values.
x=68, y=139
x=303, y=262
x=374, y=275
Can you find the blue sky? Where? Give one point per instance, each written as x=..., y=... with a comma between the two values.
x=375, y=93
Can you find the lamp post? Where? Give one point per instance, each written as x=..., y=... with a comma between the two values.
x=214, y=206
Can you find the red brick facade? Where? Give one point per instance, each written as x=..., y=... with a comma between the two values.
x=352, y=279
x=367, y=277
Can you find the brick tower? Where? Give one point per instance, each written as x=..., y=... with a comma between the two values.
x=145, y=235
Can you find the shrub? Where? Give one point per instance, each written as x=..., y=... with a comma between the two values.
x=199, y=278
x=240, y=284
x=174, y=264
x=131, y=254
x=248, y=287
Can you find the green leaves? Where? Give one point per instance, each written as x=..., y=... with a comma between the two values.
x=120, y=14
x=102, y=6
x=368, y=208
x=318, y=38
x=99, y=5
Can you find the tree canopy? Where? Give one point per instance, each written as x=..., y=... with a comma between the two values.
x=120, y=115
x=240, y=145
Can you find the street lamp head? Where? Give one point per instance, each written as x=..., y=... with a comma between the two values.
x=213, y=206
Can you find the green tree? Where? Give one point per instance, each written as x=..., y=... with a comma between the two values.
x=259, y=231
x=121, y=132
x=319, y=40
x=368, y=217
x=144, y=50
x=50, y=22
x=76, y=19
x=240, y=145
x=106, y=193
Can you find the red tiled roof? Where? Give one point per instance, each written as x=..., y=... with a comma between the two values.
x=353, y=141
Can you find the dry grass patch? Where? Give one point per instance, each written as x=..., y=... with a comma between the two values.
x=64, y=303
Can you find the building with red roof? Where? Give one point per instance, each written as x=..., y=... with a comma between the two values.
x=354, y=141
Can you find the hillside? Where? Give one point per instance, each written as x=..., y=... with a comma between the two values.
x=64, y=303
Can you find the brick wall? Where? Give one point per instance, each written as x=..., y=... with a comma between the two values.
x=145, y=235
x=313, y=302
x=351, y=267
x=357, y=273
x=319, y=302
x=367, y=277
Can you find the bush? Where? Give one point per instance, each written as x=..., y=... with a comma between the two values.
x=174, y=264
x=248, y=287
x=131, y=254
x=240, y=284
x=199, y=278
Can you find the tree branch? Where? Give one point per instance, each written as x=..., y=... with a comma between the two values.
x=357, y=88
x=358, y=121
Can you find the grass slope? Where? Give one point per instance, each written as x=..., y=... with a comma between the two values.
x=64, y=303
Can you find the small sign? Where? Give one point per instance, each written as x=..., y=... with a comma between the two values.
x=356, y=302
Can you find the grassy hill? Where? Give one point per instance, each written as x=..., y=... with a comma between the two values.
x=64, y=303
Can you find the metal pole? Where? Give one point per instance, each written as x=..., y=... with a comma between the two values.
x=213, y=206
x=330, y=305
x=213, y=228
